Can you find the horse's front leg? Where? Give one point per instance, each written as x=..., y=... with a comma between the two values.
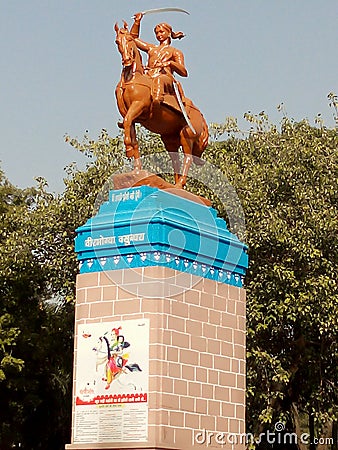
x=130, y=140
x=134, y=143
x=181, y=180
x=172, y=144
x=175, y=159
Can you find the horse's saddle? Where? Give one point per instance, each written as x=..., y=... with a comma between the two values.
x=170, y=99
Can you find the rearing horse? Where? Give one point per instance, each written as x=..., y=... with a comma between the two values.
x=134, y=101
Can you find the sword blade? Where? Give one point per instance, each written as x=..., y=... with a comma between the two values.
x=157, y=10
x=178, y=96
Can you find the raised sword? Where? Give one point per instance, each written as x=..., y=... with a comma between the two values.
x=159, y=10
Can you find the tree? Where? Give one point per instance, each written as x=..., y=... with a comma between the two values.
x=35, y=332
x=287, y=183
x=38, y=270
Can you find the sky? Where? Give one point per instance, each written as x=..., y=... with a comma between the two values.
x=60, y=66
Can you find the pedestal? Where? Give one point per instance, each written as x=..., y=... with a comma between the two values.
x=159, y=353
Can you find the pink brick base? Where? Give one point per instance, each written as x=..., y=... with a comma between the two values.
x=197, y=352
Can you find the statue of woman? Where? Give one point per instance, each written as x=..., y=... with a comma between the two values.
x=163, y=59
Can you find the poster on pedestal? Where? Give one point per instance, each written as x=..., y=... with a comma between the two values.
x=111, y=389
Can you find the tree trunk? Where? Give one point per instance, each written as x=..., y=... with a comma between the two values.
x=312, y=432
x=298, y=431
x=335, y=435
x=325, y=435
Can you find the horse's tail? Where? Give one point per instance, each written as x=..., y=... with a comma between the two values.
x=201, y=144
x=204, y=138
x=133, y=367
x=108, y=347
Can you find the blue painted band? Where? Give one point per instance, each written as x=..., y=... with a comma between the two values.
x=145, y=226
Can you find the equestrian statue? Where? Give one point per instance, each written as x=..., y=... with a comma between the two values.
x=151, y=95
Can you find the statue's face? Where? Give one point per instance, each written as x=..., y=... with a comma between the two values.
x=162, y=34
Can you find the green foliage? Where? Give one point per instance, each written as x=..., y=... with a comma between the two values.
x=287, y=184
x=333, y=103
x=285, y=180
x=38, y=269
x=35, y=337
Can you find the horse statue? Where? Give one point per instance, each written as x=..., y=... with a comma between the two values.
x=135, y=103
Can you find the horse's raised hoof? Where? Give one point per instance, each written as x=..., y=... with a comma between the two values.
x=120, y=125
x=130, y=151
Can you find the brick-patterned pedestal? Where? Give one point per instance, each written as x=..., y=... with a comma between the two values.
x=196, y=383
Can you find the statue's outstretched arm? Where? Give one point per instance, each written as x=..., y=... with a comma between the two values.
x=135, y=29
x=135, y=32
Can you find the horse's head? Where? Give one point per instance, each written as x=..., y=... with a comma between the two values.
x=126, y=45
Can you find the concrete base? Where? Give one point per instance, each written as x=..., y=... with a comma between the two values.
x=196, y=353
